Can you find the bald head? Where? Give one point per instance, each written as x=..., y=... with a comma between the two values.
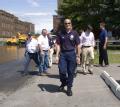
x=67, y=20
x=68, y=24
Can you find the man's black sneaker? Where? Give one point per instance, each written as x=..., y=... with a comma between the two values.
x=61, y=88
x=69, y=92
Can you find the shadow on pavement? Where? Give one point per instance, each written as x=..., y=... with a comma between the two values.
x=118, y=66
x=29, y=72
x=118, y=81
x=49, y=88
x=80, y=72
x=53, y=76
x=33, y=72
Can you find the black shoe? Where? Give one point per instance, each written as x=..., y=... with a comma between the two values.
x=61, y=88
x=106, y=65
x=69, y=92
x=90, y=71
x=84, y=73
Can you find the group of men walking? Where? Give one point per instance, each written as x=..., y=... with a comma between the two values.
x=70, y=46
x=40, y=50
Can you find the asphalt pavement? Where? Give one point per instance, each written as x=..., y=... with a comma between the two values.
x=42, y=91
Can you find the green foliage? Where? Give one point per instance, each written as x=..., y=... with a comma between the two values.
x=84, y=12
x=113, y=56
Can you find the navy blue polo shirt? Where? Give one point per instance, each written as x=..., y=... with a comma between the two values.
x=102, y=36
x=68, y=41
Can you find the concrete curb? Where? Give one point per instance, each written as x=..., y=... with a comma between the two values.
x=112, y=83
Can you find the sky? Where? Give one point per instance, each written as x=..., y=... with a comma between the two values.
x=39, y=12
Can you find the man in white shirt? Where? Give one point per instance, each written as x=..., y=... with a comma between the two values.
x=31, y=52
x=44, y=48
x=87, y=44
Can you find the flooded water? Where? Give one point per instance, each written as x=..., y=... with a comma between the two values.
x=9, y=53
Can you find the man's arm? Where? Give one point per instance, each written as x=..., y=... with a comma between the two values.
x=106, y=40
x=57, y=52
x=41, y=50
x=105, y=44
x=78, y=50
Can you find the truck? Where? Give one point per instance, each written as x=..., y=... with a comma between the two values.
x=16, y=40
x=21, y=38
x=12, y=41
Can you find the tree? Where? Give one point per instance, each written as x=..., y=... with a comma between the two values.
x=84, y=12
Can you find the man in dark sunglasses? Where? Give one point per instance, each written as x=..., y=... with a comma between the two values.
x=68, y=53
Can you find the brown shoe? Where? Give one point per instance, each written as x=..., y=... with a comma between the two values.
x=90, y=71
x=84, y=72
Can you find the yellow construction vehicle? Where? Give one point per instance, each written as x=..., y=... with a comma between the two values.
x=21, y=38
x=12, y=41
x=16, y=40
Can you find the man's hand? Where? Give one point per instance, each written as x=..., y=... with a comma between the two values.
x=78, y=60
x=56, y=60
x=104, y=47
x=42, y=53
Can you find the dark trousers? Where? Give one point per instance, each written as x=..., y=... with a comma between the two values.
x=103, y=56
x=28, y=57
x=67, y=65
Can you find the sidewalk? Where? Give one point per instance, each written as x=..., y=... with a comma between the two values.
x=88, y=91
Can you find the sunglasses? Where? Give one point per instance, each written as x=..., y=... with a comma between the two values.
x=67, y=23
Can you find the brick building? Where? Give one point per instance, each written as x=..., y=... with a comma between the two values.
x=57, y=18
x=10, y=25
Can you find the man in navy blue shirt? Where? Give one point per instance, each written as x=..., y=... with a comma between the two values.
x=68, y=53
x=103, y=56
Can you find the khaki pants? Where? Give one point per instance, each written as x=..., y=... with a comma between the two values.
x=87, y=57
x=50, y=57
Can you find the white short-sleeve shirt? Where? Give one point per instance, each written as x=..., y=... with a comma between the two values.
x=31, y=45
x=44, y=42
x=87, y=39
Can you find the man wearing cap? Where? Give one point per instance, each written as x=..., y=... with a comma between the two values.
x=87, y=45
x=68, y=52
x=31, y=52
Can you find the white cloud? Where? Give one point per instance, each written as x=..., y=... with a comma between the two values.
x=36, y=14
x=44, y=22
x=33, y=3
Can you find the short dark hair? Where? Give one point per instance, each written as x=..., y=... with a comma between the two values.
x=89, y=27
x=102, y=23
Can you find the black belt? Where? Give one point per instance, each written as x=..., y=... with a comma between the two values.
x=45, y=50
x=86, y=46
x=68, y=50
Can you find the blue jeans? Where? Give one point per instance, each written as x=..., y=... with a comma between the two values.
x=44, y=63
x=67, y=65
